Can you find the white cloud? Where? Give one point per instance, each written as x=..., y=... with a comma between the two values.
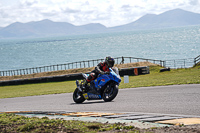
x=79, y=12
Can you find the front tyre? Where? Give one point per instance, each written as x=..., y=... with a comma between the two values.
x=78, y=96
x=110, y=93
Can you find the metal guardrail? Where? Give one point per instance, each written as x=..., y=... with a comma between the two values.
x=74, y=65
x=77, y=76
x=179, y=63
x=196, y=60
x=134, y=59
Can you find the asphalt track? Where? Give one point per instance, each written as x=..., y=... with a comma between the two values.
x=173, y=99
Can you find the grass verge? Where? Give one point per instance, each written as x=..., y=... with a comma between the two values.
x=16, y=123
x=11, y=123
x=155, y=78
x=173, y=77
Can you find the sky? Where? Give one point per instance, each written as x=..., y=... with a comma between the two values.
x=80, y=12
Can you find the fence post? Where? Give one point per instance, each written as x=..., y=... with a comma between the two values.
x=84, y=63
x=36, y=70
x=184, y=63
x=174, y=64
x=28, y=69
x=65, y=66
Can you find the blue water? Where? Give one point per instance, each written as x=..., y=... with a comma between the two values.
x=162, y=44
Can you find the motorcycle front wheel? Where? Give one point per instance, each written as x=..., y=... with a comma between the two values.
x=110, y=93
x=78, y=96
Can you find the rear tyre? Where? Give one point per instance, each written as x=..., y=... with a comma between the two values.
x=78, y=96
x=110, y=93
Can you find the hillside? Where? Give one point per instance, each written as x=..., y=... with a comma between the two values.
x=172, y=18
x=44, y=28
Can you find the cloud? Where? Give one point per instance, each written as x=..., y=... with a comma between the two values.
x=194, y=2
x=29, y=3
x=78, y=12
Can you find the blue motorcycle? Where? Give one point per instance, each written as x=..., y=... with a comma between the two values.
x=103, y=87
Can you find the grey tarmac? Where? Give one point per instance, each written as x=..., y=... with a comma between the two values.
x=142, y=107
x=172, y=99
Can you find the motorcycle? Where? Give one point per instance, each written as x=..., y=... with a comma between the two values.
x=105, y=87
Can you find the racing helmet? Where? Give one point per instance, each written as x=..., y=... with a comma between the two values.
x=109, y=61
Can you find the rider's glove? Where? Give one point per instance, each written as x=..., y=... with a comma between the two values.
x=102, y=73
x=107, y=72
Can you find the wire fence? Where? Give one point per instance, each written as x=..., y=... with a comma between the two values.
x=179, y=63
x=74, y=65
x=196, y=60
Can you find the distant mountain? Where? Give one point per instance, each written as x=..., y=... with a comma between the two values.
x=44, y=28
x=94, y=27
x=172, y=18
x=48, y=28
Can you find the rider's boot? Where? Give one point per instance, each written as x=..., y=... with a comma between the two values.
x=78, y=86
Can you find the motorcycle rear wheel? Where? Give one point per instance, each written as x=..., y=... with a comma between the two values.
x=110, y=93
x=78, y=96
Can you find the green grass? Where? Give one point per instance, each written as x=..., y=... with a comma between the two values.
x=155, y=78
x=37, y=89
x=17, y=123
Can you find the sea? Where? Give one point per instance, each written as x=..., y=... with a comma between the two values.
x=159, y=44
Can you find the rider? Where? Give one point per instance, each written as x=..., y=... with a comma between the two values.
x=101, y=68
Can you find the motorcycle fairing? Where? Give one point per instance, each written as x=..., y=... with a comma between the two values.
x=91, y=96
x=101, y=81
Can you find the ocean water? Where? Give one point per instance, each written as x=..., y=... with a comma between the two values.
x=160, y=44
